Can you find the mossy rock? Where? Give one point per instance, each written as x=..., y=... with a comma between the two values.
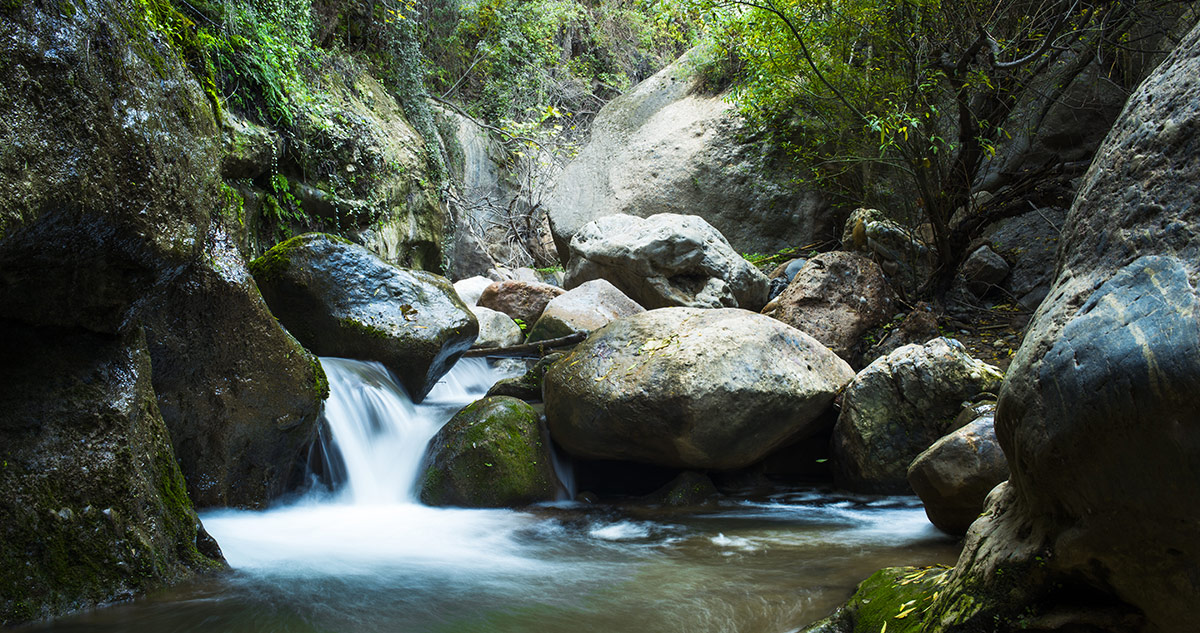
x=528, y=386
x=339, y=299
x=491, y=454
x=94, y=505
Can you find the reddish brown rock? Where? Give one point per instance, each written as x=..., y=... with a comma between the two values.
x=836, y=298
x=524, y=300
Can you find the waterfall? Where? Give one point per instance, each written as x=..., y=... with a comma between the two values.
x=377, y=437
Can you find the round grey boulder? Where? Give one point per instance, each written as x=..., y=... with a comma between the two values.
x=586, y=308
x=954, y=476
x=691, y=388
x=496, y=329
x=899, y=406
x=666, y=260
x=339, y=299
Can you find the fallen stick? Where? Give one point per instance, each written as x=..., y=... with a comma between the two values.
x=527, y=349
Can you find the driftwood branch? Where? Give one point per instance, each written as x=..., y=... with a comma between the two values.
x=528, y=350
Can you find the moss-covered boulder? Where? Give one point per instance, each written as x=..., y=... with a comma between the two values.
x=339, y=299
x=491, y=454
x=92, y=504
x=527, y=386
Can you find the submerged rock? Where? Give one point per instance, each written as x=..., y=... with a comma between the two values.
x=585, y=308
x=338, y=299
x=954, y=476
x=690, y=388
x=899, y=406
x=94, y=507
x=665, y=260
x=491, y=454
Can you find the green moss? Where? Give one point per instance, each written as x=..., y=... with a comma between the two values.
x=11, y=5
x=365, y=328
x=320, y=380
x=278, y=259
x=900, y=597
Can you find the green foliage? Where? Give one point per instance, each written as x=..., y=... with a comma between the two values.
x=511, y=60
x=897, y=105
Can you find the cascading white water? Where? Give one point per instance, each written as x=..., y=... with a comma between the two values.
x=379, y=434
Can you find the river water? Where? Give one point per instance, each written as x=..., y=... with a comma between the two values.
x=367, y=557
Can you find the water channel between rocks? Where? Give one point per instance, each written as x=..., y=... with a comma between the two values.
x=370, y=558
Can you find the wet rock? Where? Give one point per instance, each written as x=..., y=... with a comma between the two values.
x=94, y=506
x=491, y=454
x=954, y=476
x=899, y=406
x=669, y=146
x=338, y=299
x=527, y=386
x=240, y=396
x=665, y=260
x=523, y=300
x=836, y=298
x=585, y=308
x=1098, y=416
x=690, y=488
x=690, y=388
x=496, y=329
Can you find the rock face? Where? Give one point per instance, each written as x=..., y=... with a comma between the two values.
x=1029, y=243
x=496, y=329
x=491, y=454
x=524, y=300
x=338, y=299
x=94, y=507
x=240, y=396
x=663, y=147
x=585, y=308
x=690, y=388
x=665, y=260
x=954, y=476
x=836, y=297
x=899, y=406
x=1098, y=415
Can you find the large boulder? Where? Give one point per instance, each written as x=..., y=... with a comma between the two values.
x=92, y=504
x=836, y=297
x=666, y=260
x=471, y=288
x=338, y=299
x=585, y=308
x=899, y=406
x=491, y=454
x=1098, y=415
x=114, y=209
x=240, y=396
x=524, y=300
x=954, y=476
x=691, y=388
x=668, y=146
x=1095, y=528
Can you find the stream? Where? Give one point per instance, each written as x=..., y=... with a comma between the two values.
x=367, y=557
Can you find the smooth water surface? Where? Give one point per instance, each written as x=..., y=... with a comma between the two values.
x=368, y=558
